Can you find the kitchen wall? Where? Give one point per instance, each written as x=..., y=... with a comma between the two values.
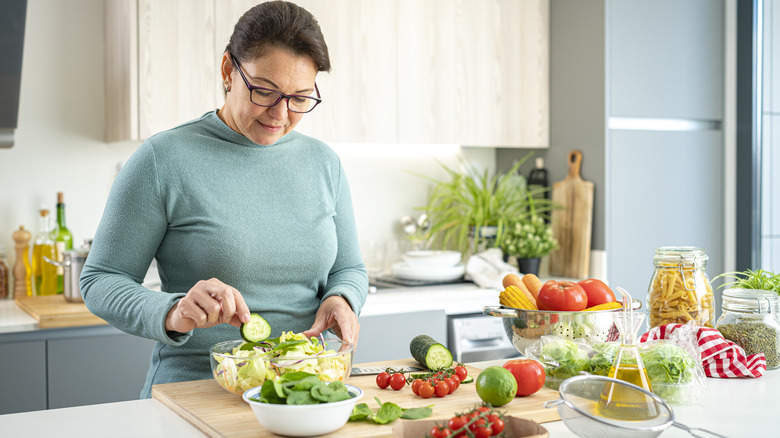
x=60, y=138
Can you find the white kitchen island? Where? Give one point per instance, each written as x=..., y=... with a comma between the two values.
x=735, y=408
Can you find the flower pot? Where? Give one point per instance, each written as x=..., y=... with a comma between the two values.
x=528, y=266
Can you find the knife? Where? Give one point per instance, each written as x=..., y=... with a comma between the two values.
x=365, y=371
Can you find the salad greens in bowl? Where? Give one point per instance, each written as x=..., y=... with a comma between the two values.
x=240, y=365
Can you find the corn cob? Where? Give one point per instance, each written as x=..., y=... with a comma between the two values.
x=605, y=306
x=513, y=297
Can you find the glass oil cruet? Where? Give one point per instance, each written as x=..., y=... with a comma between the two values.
x=619, y=401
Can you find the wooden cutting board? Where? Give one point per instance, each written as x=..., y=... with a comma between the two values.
x=52, y=311
x=573, y=223
x=218, y=413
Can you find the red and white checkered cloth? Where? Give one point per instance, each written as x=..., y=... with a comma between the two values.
x=719, y=356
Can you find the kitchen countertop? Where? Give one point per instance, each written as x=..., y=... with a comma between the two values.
x=454, y=299
x=734, y=408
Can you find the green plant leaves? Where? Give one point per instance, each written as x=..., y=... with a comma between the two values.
x=388, y=412
x=300, y=388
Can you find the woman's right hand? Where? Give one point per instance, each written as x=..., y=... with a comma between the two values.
x=208, y=303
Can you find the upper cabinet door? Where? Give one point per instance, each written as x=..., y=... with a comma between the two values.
x=474, y=73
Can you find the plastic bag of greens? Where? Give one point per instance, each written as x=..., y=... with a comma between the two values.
x=601, y=361
x=674, y=368
x=561, y=358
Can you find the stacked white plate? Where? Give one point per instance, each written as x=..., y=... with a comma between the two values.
x=430, y=266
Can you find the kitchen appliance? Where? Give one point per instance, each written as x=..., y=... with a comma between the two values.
x=12, y=19
x=476, y=337
x=72, y=263
x=572, y=224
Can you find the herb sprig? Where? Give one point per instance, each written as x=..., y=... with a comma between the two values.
x=749, y=279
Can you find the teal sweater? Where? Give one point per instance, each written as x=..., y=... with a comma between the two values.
x=275, y=222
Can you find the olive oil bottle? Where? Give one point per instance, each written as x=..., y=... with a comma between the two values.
x=44, y=274
x=63, y=241
x=620, y=401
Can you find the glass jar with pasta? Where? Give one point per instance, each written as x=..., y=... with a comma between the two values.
x=680, y=290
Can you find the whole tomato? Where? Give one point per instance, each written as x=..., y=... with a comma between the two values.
x=528, y=373
x=562, y=296
x=597, y=291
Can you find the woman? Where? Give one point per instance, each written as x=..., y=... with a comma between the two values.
x=242, y=213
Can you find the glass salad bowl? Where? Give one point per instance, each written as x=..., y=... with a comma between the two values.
x=238, y=365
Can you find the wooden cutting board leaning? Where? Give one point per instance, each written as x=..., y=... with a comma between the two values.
x=52, y=311
x=572, y=224
x=218, y=413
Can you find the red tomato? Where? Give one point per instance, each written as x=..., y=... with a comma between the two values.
x=426, y=390
x=462, y=372
x=456, y=423
x=416, y=386
x=562, y=296
x=528, y=373
x=454, y=382
x=597, y=291
x=450, y=384
x=442, y=388
x=397, y=381
x=496, y=424
x=440, y=432
x=383, y=380
x=482, y=432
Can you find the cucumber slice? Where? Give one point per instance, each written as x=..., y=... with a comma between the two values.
x=430, y=353
x=468, y=379
x=256, y=330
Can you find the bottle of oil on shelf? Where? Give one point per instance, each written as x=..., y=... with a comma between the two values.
x=63, y=241
x=44, y=273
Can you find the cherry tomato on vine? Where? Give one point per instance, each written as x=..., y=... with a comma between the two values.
x=496, y=423
x=426, y=390
x=462, y=372
x=383, y=380
x=397, y=381
x=440, y=432
x=442, y=388
x=416, y=386
x=458, y=422
x=450, y=384
x=482, y=432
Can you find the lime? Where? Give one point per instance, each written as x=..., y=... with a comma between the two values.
x=496, y=385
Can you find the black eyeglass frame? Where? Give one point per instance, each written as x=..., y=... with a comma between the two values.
x=317, y=100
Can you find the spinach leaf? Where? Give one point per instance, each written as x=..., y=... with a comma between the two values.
x=268, y=393
x=307, y=383
x=361, y=411
x=387, y=412
x=417, y=413
x=301, y=398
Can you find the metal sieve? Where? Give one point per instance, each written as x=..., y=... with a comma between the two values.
x=578, y=407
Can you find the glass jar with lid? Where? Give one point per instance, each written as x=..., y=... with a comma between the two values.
x=751, y=319
x=679, y=289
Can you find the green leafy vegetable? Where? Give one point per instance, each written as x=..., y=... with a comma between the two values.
x=301, y=388
x=601, y=362
x=563, y=359
x=388, y=412
x=417, y=413
x=670, y=369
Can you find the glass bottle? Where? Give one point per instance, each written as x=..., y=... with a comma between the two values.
x=63, y=241
x=44, y=273
x=751, y=319
x=679, y=289
x=3, y=274
x=619, y=401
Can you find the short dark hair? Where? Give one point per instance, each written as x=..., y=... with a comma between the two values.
x=279, y=24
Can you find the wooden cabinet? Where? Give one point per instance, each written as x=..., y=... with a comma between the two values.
x=469, y=72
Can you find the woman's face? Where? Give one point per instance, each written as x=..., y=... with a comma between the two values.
x=277, y=69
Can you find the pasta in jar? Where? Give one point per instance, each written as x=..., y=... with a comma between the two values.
x=680, y=290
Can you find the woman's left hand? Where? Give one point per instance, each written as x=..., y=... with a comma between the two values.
x=336, y=314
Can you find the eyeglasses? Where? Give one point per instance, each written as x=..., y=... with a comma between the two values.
x=296, y=103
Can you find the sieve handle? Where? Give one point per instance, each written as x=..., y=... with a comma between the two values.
x=691, y=430
x=552, y=403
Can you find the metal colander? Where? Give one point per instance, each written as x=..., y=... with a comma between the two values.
x=578, y=407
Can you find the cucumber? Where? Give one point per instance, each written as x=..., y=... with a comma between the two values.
x=468, y=379
x=256, y=330
x=430, y=353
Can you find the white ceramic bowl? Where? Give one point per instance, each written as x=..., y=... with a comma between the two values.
x=431, y=258
x=303, y=420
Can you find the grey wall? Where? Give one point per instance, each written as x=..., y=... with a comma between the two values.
x=577, y=103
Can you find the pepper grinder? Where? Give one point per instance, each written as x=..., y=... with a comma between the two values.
x=22, y=268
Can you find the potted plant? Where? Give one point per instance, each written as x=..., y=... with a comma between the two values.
x=528, y=240
x=473, y=210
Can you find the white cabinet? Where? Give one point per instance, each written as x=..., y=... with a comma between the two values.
x=474, y=73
